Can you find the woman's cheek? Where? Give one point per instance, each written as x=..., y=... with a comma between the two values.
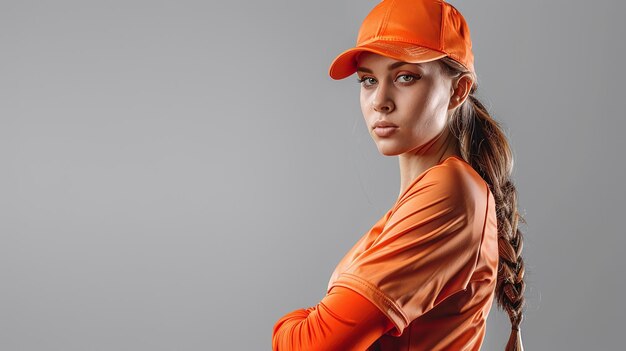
x=363, y=99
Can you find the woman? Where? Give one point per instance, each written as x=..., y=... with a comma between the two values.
x=425, y=275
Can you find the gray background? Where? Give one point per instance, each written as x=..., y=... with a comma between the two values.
x=177, y=175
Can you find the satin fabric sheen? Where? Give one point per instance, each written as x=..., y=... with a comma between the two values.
x=428, y=265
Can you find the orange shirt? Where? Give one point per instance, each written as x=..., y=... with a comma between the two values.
x=428, y=265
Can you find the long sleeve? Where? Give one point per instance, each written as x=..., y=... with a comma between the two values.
x=344, y=320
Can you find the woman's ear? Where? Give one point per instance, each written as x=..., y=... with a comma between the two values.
x=460, y=90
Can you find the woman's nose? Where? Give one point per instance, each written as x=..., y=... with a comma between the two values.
x=382, y=102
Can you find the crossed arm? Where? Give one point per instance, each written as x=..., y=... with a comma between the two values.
x=344, y=320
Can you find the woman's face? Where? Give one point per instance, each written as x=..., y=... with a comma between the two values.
x=412, y=98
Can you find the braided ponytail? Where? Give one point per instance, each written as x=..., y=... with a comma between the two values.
x=485, y=147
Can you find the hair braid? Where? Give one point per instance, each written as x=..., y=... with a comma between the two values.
x=485, y=147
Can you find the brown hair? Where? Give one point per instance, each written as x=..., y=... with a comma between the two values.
x=485, y=147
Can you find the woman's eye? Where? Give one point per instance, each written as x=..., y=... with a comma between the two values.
x=367, y=81
x=405, y=78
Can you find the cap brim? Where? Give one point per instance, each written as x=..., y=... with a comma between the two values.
x=344, y=65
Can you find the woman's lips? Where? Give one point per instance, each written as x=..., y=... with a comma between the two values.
x=384, y=131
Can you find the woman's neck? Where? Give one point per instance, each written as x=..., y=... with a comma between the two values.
x=415, y=162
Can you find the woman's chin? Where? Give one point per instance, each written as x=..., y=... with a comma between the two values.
x=387, y=151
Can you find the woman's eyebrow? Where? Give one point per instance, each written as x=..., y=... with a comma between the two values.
x=390, y=67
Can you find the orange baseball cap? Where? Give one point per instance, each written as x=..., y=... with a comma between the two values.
x=411, y=31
